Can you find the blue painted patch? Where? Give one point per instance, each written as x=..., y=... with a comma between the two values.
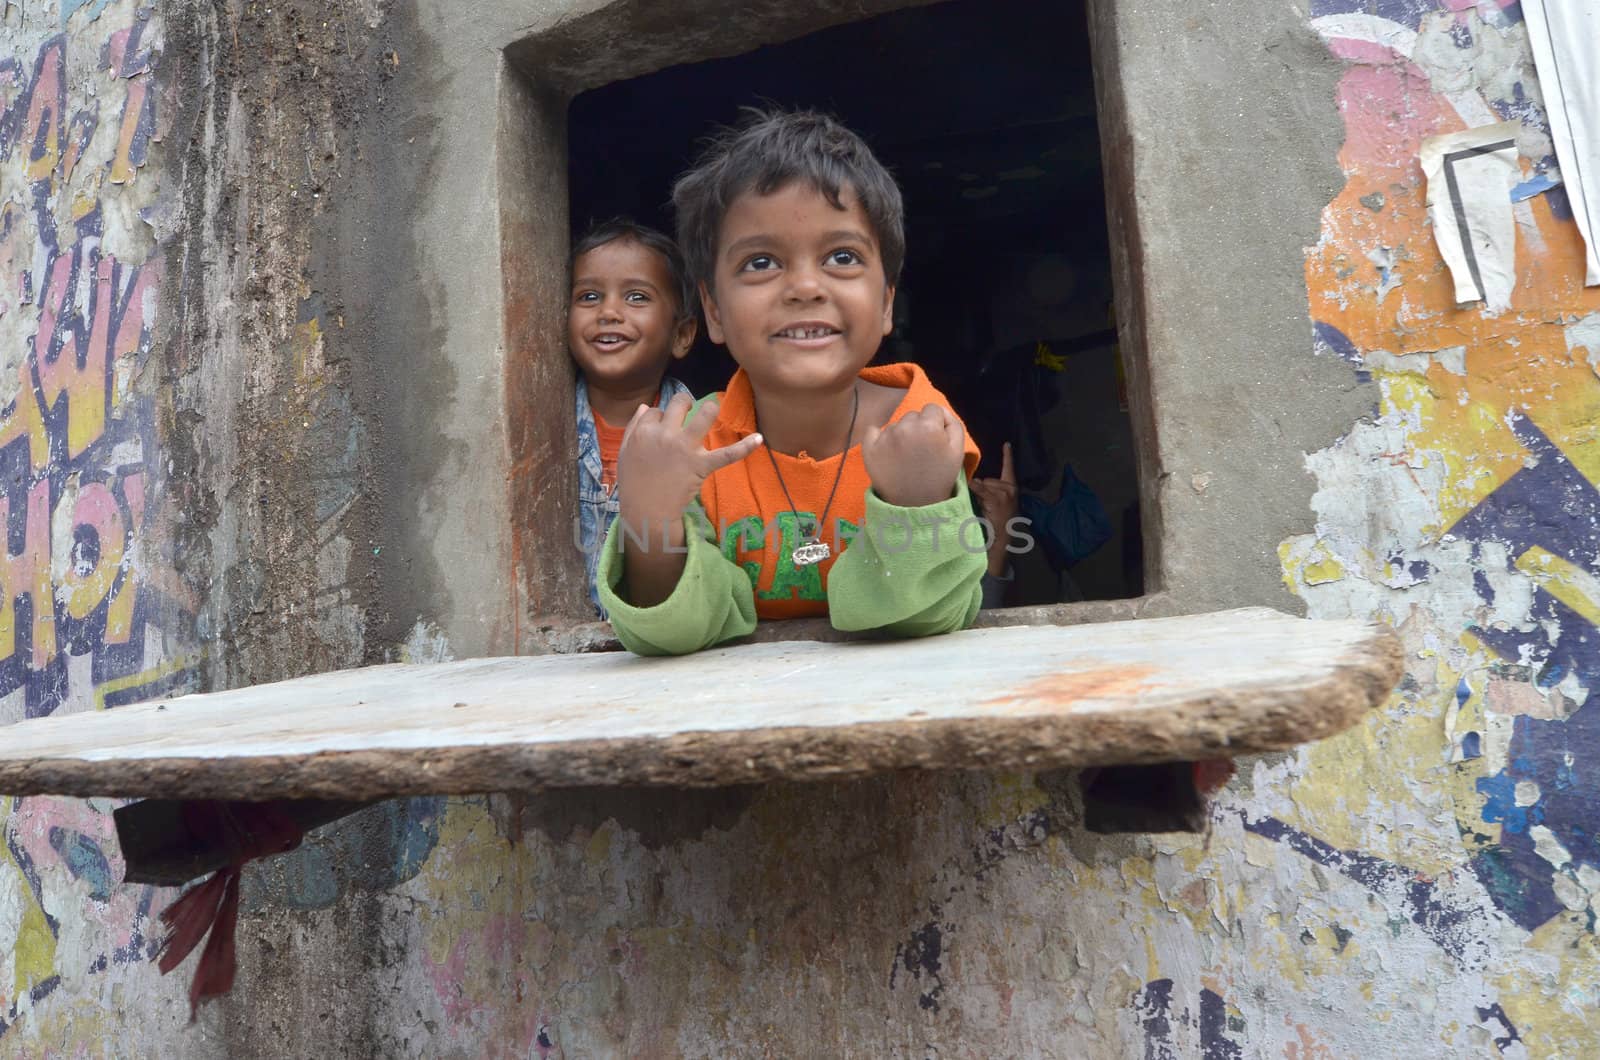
x=84, y=860
x=1471, y=746
x=1480, y=583
x=1550, y=505
x=1500, y=795
x=1447, y=923
x=1506, y=1034
x=1518, y=881
x=1214, y=1041
x=1535, y=185
x=374, y=850
x=1153, y=1003
x=1560, y=205
x=311, y=881
x=1327, y=339
x=1406, y=12
x=71, y=7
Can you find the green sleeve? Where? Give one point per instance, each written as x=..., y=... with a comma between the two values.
x=712, y=602
x=911, y=572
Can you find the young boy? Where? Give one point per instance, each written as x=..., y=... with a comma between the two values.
x=630, y=315
x=827, y=487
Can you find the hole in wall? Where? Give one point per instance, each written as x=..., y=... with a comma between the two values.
x=985, y=111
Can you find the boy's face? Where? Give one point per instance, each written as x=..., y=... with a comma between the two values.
x=800, y=297
x=621, y=321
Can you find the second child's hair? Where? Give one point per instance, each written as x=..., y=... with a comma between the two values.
x=628, y=230
x=765, y=152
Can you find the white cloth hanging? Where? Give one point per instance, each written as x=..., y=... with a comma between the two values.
x=1565, y=35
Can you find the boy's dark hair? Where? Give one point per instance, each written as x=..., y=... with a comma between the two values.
x=768, y=150
x=624, y=228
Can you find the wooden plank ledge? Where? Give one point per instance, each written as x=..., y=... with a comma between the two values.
x=1152, y=690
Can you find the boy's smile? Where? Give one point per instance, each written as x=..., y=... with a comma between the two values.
x=800, y=297
x=621, y=322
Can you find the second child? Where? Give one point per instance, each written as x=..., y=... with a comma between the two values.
x=630, y=316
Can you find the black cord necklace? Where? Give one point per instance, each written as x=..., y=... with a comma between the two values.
x=812, y=549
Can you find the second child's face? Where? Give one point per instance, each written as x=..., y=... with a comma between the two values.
x=621, y=321
x=800, y=300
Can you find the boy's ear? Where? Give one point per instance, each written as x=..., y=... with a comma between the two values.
x=683, y=337
x=708, y=302
x=888, y=309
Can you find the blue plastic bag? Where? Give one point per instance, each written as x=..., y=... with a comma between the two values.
x=1073, y=527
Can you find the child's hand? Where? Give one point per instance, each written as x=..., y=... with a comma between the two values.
x=998, y=498
x=660, y=468
x=663, y=460
x=915, y=460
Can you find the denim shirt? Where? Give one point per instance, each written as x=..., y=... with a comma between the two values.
x=597, y=508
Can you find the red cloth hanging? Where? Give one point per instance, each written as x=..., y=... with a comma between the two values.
x=1211, y=774
x=251, y=830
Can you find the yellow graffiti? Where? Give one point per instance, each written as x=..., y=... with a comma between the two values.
x=34, y=960
x=144, y=677
x=1564, y=580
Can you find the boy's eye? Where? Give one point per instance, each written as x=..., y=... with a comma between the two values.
x=844, y=257
x=586, y=297
x=637, y=298
x=759, y=263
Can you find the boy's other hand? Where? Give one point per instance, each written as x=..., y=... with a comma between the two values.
x=915, y=460
x=998, y=496
x=663, y=460
x=998, y=499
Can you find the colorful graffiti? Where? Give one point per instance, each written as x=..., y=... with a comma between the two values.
x=75, y=453
x=90, y=615
x=1464, y=512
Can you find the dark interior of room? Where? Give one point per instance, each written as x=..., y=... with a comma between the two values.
x=985, y=112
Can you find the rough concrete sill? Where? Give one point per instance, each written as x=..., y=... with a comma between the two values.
x=561, y=637
x=1033, y=697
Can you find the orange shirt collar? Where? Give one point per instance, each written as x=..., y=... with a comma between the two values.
x=736, y=413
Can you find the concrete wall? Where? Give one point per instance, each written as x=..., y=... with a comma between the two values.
x=304, y=259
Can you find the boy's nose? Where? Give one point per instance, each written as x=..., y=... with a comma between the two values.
x=804, y=286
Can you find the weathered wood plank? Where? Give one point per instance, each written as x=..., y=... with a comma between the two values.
x=1154, y=690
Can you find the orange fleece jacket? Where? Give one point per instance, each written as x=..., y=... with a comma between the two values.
x=743, y=499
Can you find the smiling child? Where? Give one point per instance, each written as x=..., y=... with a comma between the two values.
x=631, y=314
x=815, y=484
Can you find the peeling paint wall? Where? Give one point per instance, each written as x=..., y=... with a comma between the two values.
x=94, y=612
x=254, y=426
x=1464, y=512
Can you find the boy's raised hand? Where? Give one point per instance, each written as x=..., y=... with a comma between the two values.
x=998, y=498
x=998, y=495
x=660, y=468
x=914, y=461
x=663, y=459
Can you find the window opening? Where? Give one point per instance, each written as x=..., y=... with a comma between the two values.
x=986, y=114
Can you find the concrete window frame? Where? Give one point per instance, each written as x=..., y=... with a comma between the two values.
x=1212, y=519
x=630, y=39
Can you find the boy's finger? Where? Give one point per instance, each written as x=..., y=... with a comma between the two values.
x=714, y=459
x=1008, y=473
x=679, y=407
x=870, y=437
x=638, y=417
x=955, y=435
x=699, y=424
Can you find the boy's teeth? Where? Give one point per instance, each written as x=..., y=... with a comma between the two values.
x=806, y=333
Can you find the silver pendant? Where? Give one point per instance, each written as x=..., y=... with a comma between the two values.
x=810, y=551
